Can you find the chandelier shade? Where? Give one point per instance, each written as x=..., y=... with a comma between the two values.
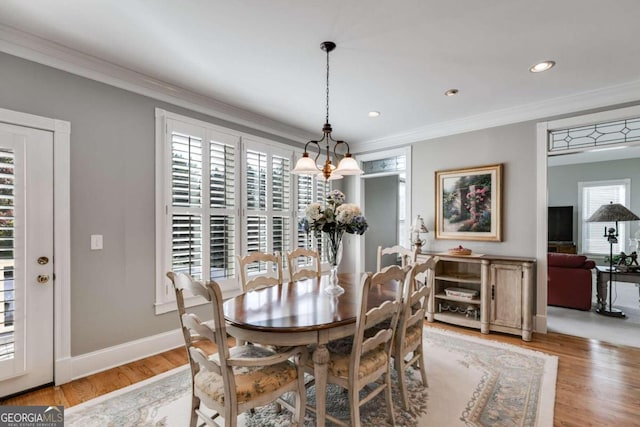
x=347, y=164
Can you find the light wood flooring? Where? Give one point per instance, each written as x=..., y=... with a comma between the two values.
x=598, y=383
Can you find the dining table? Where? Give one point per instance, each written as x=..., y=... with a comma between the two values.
x=302, y=313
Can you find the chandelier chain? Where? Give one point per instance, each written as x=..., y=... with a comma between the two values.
x=327, y=118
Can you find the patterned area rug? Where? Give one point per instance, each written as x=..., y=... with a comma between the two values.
x=472, y=382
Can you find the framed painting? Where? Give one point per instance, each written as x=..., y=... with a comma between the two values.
x=469, y=204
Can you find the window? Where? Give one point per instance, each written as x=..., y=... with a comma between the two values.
x=267, y=200
x=220, y=194
x=592, y=195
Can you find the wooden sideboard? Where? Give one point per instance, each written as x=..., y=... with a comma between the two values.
x=504, y=287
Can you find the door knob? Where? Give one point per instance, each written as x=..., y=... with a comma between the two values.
x=43, y=278
x=43, y=260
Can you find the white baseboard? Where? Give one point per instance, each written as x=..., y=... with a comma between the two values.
x=110, y=357
x=63, y=372
x=540, y=324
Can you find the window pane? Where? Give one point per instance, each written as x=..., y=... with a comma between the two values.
x=186, y=170
x=222, y=247
x=281, y=235
x=7, y=263
x=593, y=197
x=256, y=180
x=222, y=188
x=256, y=239
x=186, y=245
x=280, y=183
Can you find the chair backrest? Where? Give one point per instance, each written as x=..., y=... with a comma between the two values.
x=195, y=330
x=377, y=315
x=407, y=256
x=418, y=285
x=298, y=271
x=273, y=275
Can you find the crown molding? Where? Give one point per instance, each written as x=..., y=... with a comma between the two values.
x=36, y=49
x=598, y=98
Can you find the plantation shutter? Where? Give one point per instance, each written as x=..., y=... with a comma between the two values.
x=202, y=209
x=267, y=200
x=321, y=240
x=593, y=196
x=223, y=203
x=186, y=210
x=304, y=186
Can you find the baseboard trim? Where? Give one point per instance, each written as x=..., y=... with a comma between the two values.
x=540, y=324
x=110, y=357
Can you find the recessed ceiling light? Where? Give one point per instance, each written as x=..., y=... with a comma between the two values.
x=451, y=92
x=542, y=66
x=373, y=114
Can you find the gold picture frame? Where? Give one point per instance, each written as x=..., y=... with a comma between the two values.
x=469, y=204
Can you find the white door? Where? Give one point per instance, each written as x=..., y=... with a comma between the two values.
x=26, y=258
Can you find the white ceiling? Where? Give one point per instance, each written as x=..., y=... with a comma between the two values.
x=263, y=57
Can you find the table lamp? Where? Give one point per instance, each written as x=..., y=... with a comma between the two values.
x=418, y=227
x=613, y=212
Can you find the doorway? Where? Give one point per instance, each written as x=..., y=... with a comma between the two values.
x=34, y=206
x=384, y=192
x=574, y=153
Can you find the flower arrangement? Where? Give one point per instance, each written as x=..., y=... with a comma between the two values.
x=334, y=219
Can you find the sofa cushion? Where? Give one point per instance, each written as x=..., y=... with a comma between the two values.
x=567, y=260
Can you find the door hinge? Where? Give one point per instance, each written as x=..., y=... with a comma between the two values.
x=493, y=292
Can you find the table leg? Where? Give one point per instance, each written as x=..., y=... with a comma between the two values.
x=601, y=289
x=320, y=365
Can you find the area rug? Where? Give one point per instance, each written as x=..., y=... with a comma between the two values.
x=589, y=324
x=472, y=382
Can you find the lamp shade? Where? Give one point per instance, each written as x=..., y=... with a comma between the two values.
x=418, y=226
x=305, y=166
x=611, y=213
x=348, y=166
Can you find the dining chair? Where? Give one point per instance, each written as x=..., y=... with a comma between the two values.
x=408, y=338
x=233, y=380
x=407, y=256
x=272, y=276
x=299, y=271
x=365, y=358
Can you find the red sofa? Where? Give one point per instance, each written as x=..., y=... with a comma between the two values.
x=569, y=280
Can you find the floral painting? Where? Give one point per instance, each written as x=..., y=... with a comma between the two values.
x=468, y=203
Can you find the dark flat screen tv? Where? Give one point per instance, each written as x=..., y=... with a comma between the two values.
x=560, y=224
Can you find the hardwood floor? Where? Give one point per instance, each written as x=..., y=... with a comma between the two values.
x=598, y=383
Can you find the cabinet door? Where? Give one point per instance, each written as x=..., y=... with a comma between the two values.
x=506, y=295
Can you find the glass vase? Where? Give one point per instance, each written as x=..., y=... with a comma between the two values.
x=335, y=255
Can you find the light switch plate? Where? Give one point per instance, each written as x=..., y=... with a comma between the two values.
x=96, y=242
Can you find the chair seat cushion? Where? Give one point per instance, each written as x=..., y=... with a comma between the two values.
x=369, y=363
x=340, y=355
x=413, y=335
x=250, y=381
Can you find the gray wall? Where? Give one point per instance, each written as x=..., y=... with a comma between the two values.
x=515, y=147
x=112, y=193
x=563, y=184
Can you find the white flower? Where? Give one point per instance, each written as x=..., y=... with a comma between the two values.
x=347, y=212
x=314, y=212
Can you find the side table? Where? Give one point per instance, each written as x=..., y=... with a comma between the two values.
x=618, y=276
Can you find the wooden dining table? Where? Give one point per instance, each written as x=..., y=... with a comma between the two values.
x=301, y=313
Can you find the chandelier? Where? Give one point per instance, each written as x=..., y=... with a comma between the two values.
x=308, y=166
